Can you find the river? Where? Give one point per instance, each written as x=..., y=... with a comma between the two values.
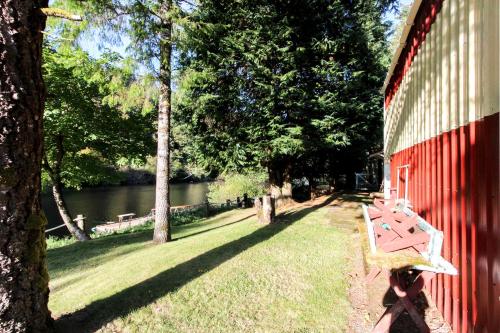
x=105, y=203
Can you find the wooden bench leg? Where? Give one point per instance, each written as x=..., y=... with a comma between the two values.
x=374, y=272
x=404, y=302
x=388, y=318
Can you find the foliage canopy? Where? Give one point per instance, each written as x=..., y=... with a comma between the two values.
x=96, y=116
x=275, y=83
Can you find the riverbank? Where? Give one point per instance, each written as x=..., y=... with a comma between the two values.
x=105, y=203
x=131, y=176
x=226, y=273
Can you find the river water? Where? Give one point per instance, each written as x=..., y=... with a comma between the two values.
x=105, y=203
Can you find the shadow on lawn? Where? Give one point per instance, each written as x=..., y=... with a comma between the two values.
x=357, y=197
x=70, y=256
x=103, y=311
x=214, y=228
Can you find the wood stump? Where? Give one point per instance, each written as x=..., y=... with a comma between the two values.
x=265, y=207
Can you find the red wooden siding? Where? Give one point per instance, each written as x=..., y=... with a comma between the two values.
x=454, y=184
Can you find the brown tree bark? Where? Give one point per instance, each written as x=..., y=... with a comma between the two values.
x=54, y=172
x=76, y=232
x=24, y=278
x=280, y=182
x=162, y=232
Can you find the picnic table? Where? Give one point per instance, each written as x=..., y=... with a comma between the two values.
x=401, y=241
x=124, y=217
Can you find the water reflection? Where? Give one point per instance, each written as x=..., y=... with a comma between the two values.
x=104, y=203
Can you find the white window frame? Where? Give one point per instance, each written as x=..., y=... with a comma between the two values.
x=406, y=167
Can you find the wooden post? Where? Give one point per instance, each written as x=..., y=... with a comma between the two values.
x=80, y=221
x=207, y=208
x=268, y=209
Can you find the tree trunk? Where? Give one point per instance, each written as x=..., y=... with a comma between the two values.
x=55, y=176
x=24, y=291
x=268, y=209
x=286, y=187
x=79, y=234
x=280, y=181
x=162, y=231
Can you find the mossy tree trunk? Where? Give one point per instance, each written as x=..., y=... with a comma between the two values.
x=54, y=172
x=24, y=291
x=162, y=232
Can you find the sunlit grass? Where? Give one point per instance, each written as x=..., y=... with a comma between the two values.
x=224, y=274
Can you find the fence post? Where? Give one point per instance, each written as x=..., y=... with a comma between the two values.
x=80, y=221
x=207, y=208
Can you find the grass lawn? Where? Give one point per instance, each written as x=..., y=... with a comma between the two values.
x=224, y=274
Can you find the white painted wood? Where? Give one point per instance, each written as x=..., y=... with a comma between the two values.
x=370, y=230
x=454, y=79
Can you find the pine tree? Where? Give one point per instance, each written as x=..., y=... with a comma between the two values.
x=150, y=26
x=286, y=85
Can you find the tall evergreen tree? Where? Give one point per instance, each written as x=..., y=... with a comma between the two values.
x=150, y=27
x=279, y=83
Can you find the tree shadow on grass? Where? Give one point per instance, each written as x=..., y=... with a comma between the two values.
x=103, y=311
x=70, y=256
x=214, y=228
x=357, y=197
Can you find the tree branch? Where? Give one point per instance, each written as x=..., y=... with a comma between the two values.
x=56, y=12
x=55, y=36
x=46, y=165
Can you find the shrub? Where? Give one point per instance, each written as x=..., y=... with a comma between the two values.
x=54, y=242
x=235, y=185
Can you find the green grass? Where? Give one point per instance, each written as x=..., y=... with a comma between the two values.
x=54, y=242
x=224, y=274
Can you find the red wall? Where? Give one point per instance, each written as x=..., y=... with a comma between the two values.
x=454, y=185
